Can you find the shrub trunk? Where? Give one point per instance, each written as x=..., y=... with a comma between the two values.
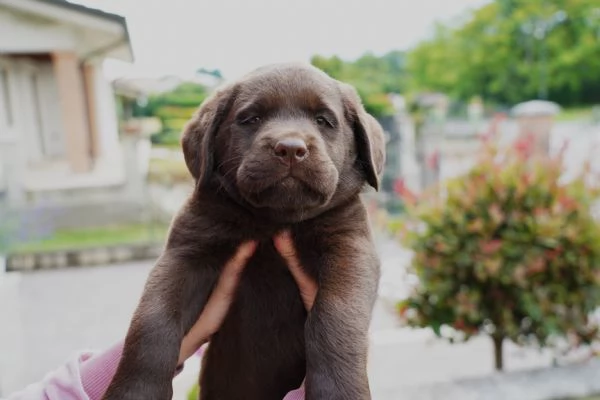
x=498, y=354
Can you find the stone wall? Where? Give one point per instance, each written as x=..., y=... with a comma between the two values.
x=83, y=257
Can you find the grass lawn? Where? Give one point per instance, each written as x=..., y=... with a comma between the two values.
x=105, y=236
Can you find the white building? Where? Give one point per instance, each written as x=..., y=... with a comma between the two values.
x=59, y=129
x=58, y=120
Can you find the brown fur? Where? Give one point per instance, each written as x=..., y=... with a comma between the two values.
x=267, y=343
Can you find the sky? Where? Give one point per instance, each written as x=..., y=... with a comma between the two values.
x=236, y=36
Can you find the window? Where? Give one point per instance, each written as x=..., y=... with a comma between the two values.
x=5, y=96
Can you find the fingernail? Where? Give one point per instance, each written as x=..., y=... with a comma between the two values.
x=280, y=239
x=248, y=247
x=286, y=235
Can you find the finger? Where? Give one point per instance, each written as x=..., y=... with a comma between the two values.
x=307, y=286
x=285, y=246
x=231, y=273
x=220, y=299
x=218, y=304
x=241, y=256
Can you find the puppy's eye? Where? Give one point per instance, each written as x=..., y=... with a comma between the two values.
x=251, y=120
x=322, y=121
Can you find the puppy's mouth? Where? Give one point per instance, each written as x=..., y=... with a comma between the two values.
x=286, y=189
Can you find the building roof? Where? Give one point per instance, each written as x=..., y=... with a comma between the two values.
x=120, y=46
x=94, y=12
x=87, y=10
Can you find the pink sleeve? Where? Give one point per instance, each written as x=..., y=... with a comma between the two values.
x=98, y=371
x=84, y=377
x=297, y=394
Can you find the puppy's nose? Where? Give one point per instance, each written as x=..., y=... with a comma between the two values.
x=291, y=150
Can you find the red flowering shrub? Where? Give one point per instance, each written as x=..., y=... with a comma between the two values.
x=507, y=250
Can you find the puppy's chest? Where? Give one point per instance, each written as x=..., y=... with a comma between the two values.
x=267, y=277
x=268, y=264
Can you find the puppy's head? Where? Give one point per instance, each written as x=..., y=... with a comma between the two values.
x=286, y=139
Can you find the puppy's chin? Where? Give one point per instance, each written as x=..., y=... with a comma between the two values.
x=287, y=194
x=283, y=194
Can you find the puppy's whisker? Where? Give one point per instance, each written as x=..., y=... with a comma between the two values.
x=230, y=160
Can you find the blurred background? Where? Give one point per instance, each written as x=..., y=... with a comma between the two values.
x=486, y=223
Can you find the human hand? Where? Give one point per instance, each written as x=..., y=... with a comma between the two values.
x=215, y=310
x=306, y=284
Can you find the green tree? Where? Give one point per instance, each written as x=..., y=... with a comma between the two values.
x=174, y=108
x=514, y=50
x=508, y=251
x=374, y=77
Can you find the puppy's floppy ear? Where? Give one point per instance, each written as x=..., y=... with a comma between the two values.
x=370, y=140
x=199, y=134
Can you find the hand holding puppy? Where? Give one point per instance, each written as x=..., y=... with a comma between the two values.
x=215, y=311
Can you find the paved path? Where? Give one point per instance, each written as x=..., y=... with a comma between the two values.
x=47, y=316
x=53, y=314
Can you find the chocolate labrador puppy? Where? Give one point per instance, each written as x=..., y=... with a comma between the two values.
x=285, y=147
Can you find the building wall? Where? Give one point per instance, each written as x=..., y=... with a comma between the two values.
x=81, y=179
x=25, y=34
x=106, y=115
x=38, y=158
x=22, y=33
